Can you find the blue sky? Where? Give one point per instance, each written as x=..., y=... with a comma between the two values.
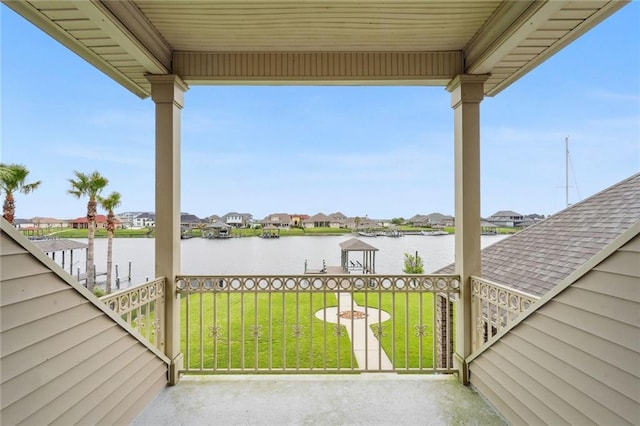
x=378, y=151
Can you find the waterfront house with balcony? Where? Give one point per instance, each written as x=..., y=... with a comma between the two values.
x=237, y=220
x=320, y=220
x=506, y=218
x=68, y=357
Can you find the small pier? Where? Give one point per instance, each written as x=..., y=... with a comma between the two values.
x=52, y=246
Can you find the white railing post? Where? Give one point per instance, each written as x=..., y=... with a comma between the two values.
x=142, y=307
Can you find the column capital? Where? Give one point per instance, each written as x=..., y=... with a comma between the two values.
x=467, y=88
x=167, y=88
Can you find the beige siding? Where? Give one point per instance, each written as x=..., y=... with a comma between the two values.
x=576, y=360
x=62, y=359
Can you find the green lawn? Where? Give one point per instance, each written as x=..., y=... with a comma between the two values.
x=275, y=337
x=100, y=233
x=278, y=330
x=410, y=343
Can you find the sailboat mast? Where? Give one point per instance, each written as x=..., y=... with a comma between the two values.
x=566, y=168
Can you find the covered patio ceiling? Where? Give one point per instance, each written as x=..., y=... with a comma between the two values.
x=315, y=42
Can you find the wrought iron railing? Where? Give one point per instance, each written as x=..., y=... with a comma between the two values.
x=493, y=308
x=142, y=307
x=317, y=323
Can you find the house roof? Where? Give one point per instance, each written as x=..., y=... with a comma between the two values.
x=505, y=213
x=45, y=220
x=100, y=218
x=218, y=225
x=277, y=217
x=334, y=42
x=189, y=218
x=146, y=215
x=438, y=217
x=355, y=244
x=537, y=258
x=319, y=217
x=300, y=216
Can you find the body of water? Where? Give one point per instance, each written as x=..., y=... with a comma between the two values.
x=286, y=255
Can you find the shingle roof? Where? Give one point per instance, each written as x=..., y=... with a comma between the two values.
x=100, y=218
x=49, y=246
x=218, y=225
x=355, y=244
x=506, y=213
x=319, y=217
x=537, y=258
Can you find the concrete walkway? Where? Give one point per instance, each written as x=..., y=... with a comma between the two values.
x=366, y=347
x=361, y=399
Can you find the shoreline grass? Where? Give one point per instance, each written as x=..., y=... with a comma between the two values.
x=236, y=232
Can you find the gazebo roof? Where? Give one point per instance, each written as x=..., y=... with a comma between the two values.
x=218, y=225
x=49, y=246
x=355, y=244
x=315, y=42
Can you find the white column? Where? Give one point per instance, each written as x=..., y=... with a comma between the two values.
x=167, y=91
x=466, y=95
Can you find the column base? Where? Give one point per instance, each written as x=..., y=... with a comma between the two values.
x=176, y=366
x=461, y=365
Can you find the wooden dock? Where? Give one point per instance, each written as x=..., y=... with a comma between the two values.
x=83, y=277
x=330, y=270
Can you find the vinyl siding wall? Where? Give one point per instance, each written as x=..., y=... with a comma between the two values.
x=62, y=359
x=576, y=360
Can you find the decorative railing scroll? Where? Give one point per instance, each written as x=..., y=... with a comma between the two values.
x=142, y=307
x=493, y=308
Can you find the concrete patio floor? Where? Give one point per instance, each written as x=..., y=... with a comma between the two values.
x=359, y=399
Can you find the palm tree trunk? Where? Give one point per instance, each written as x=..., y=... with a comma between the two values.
x=91, y=222
x=109, y=260
x=9, y=208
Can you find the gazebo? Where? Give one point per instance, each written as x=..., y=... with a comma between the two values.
x=368, y=264
x=270, y=231
x=219, y=229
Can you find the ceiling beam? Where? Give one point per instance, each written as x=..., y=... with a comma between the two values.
x=332, y=68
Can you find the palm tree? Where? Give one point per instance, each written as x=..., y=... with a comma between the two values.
x=91, y=186
x=109, y=204
x=202, y=226
x=12, y=179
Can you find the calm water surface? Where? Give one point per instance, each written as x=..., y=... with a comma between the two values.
x=285, y=255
